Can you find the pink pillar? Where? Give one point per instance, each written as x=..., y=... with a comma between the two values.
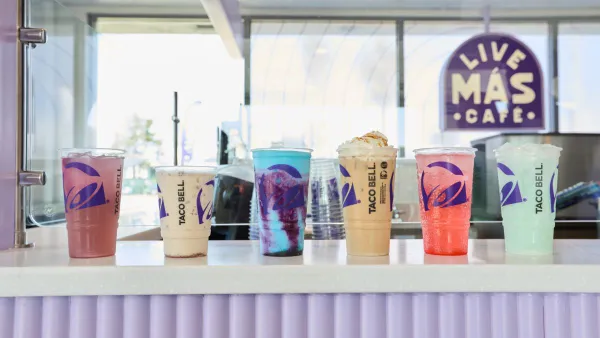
x=8, y=116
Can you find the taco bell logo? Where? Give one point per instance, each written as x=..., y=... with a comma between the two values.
x=205, y=211
x=492, y=81
x=510, y=192
x=89, y=196
x=281, y=199
x=161, y=205
x=553, y=181
x=444, y=197
x=348, y=193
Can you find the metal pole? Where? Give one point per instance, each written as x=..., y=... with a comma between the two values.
x=175, y=119
x=26, y=40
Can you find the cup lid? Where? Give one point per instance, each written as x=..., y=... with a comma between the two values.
x=300, y=150
x=444, y=150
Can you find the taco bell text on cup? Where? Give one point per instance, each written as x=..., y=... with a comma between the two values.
x=185, y=204
x=528, y=181
x=92, y=183
x=367, y=168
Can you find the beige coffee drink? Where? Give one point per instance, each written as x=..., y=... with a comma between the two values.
x=367, y=167
x=185, y=202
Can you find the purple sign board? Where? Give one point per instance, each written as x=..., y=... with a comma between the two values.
x=493, y=81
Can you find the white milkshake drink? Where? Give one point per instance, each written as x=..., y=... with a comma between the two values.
x=185, y=201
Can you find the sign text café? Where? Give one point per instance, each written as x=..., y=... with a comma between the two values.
x=493, y=81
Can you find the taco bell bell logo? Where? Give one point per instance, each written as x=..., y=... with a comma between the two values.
x=553, y=181
x=204, y=210
x=281, y=174
x=161, y=205
x=444, y=197
x=89, y=196
x=510, y=193
x=348, y=192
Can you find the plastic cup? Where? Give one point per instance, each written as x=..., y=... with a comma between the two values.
x=281, y=183
x=367, y=179
x=92, y=181
x=445, y=178
x=527, y=177
x=185, y=202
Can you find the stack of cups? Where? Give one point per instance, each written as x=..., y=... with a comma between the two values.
x=92, y=181
x=185, y=203
x=528, y=177
x=281, y=183
x=326, y=207
x=445, y=178
x=367, y=198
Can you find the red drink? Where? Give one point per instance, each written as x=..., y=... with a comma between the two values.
x=92, y=180
x=445, y=188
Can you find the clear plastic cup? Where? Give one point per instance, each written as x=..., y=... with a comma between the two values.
x=185, y=201
x=445, y=178
x=367, y=176
x=92, y=184
x=281, y=183
x=528, y=181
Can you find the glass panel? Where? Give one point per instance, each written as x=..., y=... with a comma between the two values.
x=115, y=88
x=578, y=85
x=317, y=83
x=63, y=102
x=141, y=64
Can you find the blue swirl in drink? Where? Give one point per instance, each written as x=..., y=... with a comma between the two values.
x=281, y=180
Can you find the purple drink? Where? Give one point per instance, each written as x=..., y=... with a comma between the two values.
x=282, y=189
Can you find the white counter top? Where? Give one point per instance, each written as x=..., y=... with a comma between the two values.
x=139, y=267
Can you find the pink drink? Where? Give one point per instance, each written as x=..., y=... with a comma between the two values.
x=92, y=180
x=445, y=188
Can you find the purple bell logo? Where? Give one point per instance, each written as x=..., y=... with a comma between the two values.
x=552, y=191
x=161, y=205
x=89, y=196
x=279, y=198
x=445, y=197
x=510, y=192
x=348, y=193
x=204, y=211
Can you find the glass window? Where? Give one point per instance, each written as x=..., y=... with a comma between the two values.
x=578, y=85
x=427, y=46
x=62, y=102
x=318, y=83
x=129, y=73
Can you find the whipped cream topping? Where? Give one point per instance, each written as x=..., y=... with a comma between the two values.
x=370, y=139
x=370, y=142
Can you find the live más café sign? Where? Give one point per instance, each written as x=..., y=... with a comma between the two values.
x=493, y=81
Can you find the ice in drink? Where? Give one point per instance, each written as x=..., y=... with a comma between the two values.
x=528, y=181
x=367, y=167
x=445, y=178
x=92, y=182
x=281, y=183
x=185, y=204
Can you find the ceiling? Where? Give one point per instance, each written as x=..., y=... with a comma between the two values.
x=364, y=7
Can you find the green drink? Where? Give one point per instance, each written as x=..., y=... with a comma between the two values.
x=528, y=176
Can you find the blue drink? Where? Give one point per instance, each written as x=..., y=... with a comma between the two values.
x=281, y=183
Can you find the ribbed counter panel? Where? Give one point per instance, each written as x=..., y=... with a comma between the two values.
x=402, y=315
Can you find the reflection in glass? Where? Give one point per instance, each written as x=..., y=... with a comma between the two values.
x=427, y=46
x=578, y=84
x=318, y=83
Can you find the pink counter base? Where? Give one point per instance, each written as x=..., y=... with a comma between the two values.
x=406, y=315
